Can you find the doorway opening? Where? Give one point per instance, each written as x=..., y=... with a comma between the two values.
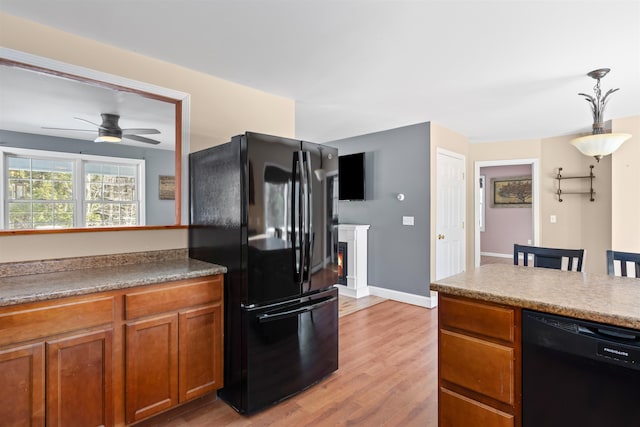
x=526, y=224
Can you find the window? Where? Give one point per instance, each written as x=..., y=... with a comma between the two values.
x=481, y=200
x=48, y=190
x=110, y=196
x=39, y=193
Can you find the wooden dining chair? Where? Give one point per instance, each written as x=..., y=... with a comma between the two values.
x=559, y=259
x=623, y=264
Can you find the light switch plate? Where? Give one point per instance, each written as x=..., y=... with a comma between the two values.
x=553, y=219
x=407, y=220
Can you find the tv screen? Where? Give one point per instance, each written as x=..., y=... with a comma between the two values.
x=351, y=174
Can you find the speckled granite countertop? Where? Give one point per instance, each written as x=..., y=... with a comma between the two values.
x=52, y=279
x=596, y=297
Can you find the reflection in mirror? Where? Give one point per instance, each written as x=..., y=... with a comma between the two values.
x=79, y=153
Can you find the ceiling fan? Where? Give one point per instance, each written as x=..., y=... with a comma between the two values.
x=110, y=131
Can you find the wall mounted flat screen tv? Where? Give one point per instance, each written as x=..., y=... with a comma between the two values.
x=351, y=177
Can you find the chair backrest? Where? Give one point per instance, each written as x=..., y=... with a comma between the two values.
x=559, y=259
x=623, y=264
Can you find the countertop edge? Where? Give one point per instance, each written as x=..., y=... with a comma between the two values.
x=143, y=275
x=546, y=307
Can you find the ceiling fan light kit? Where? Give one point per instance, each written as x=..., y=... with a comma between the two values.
x=110, y=131
x=599, y=143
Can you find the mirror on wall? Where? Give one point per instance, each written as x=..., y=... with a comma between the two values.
x=78, y=151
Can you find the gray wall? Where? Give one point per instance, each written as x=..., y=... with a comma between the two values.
x=397, y=161
x=157, y=162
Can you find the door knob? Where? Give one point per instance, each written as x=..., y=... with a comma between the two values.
x=440, y=236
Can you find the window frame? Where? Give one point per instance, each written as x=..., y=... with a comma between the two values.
x=78, y=183
x=482, y=195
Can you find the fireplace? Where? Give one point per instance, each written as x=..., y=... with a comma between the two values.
x=352, y=260
x=342, y=263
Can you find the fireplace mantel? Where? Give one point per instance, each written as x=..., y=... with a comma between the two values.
x=356, y=237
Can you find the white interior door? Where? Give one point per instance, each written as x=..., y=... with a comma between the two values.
x=450, y=214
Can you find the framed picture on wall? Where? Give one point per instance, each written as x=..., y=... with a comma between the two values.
x=167, y=187
x=511, y=192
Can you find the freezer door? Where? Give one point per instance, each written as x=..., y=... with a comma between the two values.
x=290, y=346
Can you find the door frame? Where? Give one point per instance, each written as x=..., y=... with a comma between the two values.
x=535, y=189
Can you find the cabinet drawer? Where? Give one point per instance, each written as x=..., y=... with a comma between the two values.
x=478, y=318
x=458, y=410
x=53, y=319
x=186, y=293
x=478, y=365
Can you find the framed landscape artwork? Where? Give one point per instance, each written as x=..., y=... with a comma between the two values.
x=511, y=192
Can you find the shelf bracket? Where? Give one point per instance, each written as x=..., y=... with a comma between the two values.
x=590, y=177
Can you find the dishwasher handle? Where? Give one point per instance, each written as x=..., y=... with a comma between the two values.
x=612, y=336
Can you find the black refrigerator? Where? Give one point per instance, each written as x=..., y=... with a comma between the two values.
x=261, y=207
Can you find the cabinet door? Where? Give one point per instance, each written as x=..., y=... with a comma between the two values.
x=22, y=386
x=78, y=378
x=200, y=351
x=151, y=366
x=458, y=410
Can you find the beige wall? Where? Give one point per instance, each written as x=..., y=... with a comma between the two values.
x=611, y=221
x=441, y=137
x=580, y=222
x=219, y=109
x=625, y=188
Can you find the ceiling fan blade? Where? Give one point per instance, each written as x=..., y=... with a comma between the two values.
x=87, y=121
x=79, y=130
x=141, y=139
x=141, y=131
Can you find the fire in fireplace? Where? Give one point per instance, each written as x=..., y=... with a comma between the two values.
x=342, y=263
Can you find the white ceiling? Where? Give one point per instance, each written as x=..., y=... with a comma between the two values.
x=490, y=70
x=33, y=102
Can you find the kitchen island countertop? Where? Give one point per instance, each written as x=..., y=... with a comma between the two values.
x=42, y=286
x=589, y=296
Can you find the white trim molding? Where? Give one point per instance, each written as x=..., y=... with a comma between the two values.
x=420, y=300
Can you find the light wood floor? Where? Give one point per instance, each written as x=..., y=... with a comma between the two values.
x=348, y=305
x=387, y=376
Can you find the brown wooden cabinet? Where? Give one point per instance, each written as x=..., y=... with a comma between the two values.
x=479, y=363
x=78, y=380
x=51, y=373
x=151, y=367
x=201, y=360
x=22, y=385
x=173, y=346
x=110, y=358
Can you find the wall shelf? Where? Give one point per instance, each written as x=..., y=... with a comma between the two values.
x=590, y=177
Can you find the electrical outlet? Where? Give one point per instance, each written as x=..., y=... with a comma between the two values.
x=407, y=220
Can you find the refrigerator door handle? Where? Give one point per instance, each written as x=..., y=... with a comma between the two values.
x=263, y=318
x=307, y=218
x=297, y=232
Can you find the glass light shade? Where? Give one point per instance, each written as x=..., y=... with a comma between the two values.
x=600, y=145
x=107, y=138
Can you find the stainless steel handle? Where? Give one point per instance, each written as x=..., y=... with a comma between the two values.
x=296, y=219
x=263, y=318
x=307, y=214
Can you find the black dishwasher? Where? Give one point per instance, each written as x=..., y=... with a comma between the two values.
x=578, y=373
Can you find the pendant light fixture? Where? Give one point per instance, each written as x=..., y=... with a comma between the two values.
x=599, y=143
